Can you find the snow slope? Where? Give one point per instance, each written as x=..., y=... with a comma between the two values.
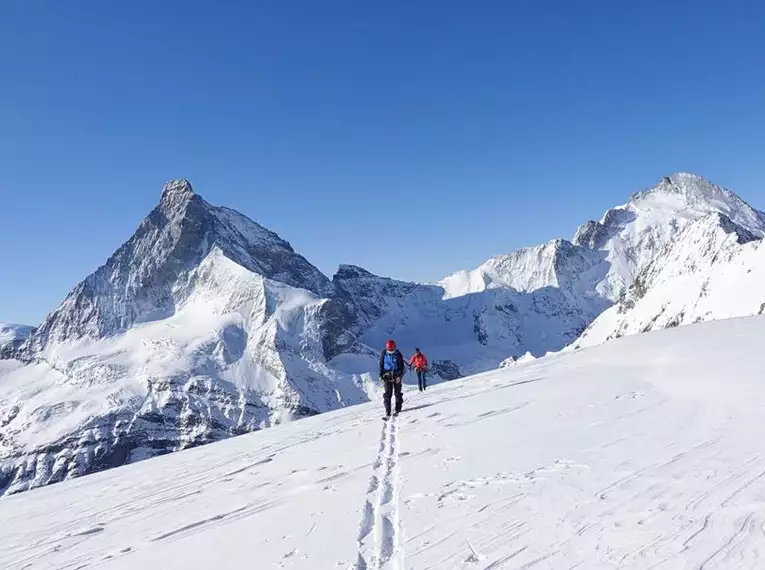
x=640, y=453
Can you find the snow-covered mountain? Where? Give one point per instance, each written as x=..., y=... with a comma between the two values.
x=154, y=271
x=604, y=257
x=640, y=453
x=467, y=333
x=11, y=336
x=205, y=325
x=715, y=269
x=632, y=236
x=680, y=225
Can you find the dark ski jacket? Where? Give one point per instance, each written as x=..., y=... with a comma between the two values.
x=399, y=359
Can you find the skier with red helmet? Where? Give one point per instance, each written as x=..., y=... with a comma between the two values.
x=392, y=373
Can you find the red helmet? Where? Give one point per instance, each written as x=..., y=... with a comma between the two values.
x=390, y=344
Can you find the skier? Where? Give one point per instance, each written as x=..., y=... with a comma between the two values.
x=392, y=373
x=420, y=364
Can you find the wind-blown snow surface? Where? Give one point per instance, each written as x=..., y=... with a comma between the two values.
x=640, y=453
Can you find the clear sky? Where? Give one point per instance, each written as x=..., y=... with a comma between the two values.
x=412, y=138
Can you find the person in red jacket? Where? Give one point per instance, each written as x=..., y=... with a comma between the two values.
x=420, y=364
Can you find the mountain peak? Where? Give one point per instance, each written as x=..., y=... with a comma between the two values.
x=152, y=273
x=692, y=189
x=683, y=181
x=346, y=271
x=681, y=177
x=176, y=196
x=180, y=187
x=688, y=195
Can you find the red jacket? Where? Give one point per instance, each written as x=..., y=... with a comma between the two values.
x=419, y=361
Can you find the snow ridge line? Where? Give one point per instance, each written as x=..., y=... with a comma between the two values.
x=379, y=542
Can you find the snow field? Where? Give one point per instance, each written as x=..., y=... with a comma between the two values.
x=642, y=453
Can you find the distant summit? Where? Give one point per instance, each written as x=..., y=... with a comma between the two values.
x=147, y=276
x=603, y=258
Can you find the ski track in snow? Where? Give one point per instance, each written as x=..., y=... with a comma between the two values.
x=380, y=544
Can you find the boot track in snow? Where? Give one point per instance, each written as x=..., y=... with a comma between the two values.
x=380, y=543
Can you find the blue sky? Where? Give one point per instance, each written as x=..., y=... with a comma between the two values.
x=412, y=138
